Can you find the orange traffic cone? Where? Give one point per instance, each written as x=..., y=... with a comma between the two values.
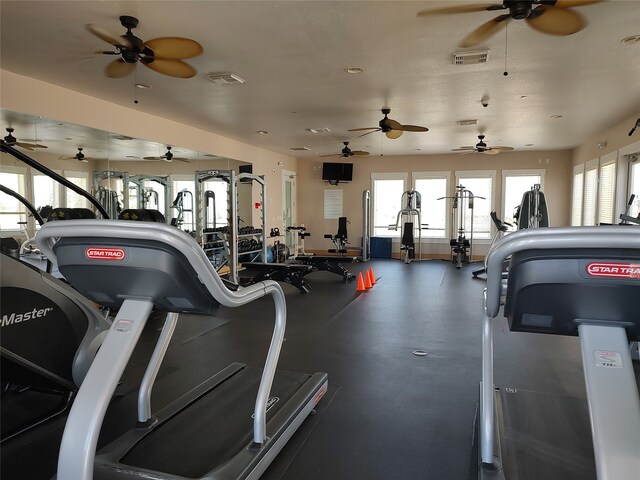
x=361, y=287
x=373, y=278
x=367, y=281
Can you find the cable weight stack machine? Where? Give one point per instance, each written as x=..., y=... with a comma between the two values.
x=410, y=222
x=461, y=246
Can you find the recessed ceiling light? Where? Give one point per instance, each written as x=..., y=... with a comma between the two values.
x=68, y=138
x=143, y=85
x=131, y=156
x=523, y=96
x=417, y=149
x=556, y=116
x=632, y=40
x=211, y=155
x=529, y=145
x=355, y=70
x=300, y=149
x=262, y=132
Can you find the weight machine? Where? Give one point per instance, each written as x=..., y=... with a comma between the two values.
x=409, y=220
x=106, y=185
x=148, y=197
x=462, y=247
x=532, y=212
x=183, y=204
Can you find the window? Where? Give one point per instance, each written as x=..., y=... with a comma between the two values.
x=576, y=201
x=219, y=189
x=387, y=190
x=634, y=187
x=73, y=200
x=46, y=191
x=11, y=210
x=433, y=212
x=480, y=183
x=514, y=184
x=607, y=191
x=590, y=193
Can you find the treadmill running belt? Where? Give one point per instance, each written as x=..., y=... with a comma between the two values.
x=545, y=436
x=213, y=429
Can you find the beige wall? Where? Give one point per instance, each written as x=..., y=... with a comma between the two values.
x=31, y=96
x=557, y=188
x=616, y=137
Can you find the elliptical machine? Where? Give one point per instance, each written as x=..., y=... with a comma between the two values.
x=532, y=212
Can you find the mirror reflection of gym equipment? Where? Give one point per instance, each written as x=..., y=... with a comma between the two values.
x=461, y=206
x=182, y=204
x=149, y=192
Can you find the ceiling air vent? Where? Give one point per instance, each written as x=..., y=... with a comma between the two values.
x=300, y=149
x=467, y=122
x=224, y=78
x=469, y=58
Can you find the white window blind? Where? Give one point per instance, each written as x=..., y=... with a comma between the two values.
x=634, y=187
x=576, y=203
x=607, y=192
x=387, y=195
x=433, y=212
x=590, y=193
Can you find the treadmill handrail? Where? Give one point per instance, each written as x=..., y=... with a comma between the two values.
x=545, y=239
x=51, y=174
x=177, y=238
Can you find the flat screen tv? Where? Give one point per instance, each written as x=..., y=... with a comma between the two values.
x=337, y=172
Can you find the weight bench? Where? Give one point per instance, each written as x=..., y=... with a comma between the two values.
x=329, y=263
x=281, y=272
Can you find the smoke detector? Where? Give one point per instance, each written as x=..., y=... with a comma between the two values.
x=467, y=122
x=224, y=78
x=470, y=58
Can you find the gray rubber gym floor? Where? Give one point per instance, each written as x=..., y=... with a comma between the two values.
x=388, y=414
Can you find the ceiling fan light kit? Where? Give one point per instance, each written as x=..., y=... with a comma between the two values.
x=164, y=55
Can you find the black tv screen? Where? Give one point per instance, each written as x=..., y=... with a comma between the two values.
x=333, y=172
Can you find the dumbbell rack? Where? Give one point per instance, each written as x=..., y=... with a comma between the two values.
x=231, y=239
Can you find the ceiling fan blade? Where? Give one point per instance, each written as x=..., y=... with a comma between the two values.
x=119, y=68
x=392, y=124
x=466, y=152
x=174, y=48
x=362, y=129
x=574, y=3
x=502, y=149
x=359, y=152
x=462, y=149
x=331, y=155
x=107, y=36
x=368, y=133
x=490, y=151
x=393, y=134
x=153, y=158
x=414, y=128
x=556, y=21
x=29, y=146
x=484, y=31
x=179, y=159
x=173, y=68
x=459, y=9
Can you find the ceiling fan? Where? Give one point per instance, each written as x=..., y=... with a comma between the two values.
x=389, y=127
x=554, y=17
x=164, y=55
x=13, y=142
x=482, y=147
x=168, y=157
x=346, y=152
x=78, y=156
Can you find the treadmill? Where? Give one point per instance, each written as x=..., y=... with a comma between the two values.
x=579, y=281
x=230, y=426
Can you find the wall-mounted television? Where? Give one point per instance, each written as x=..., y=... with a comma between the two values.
x=337, y=172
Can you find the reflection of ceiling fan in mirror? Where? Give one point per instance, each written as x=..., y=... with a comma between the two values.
x=78, y=156
x=13, y=142
x=168, y=157
x=346, y=152
x=554, y=17
x=389, y=127
x=164, y=55
x=482, y=147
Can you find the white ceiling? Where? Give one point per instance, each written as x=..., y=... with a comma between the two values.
x=293, y=56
